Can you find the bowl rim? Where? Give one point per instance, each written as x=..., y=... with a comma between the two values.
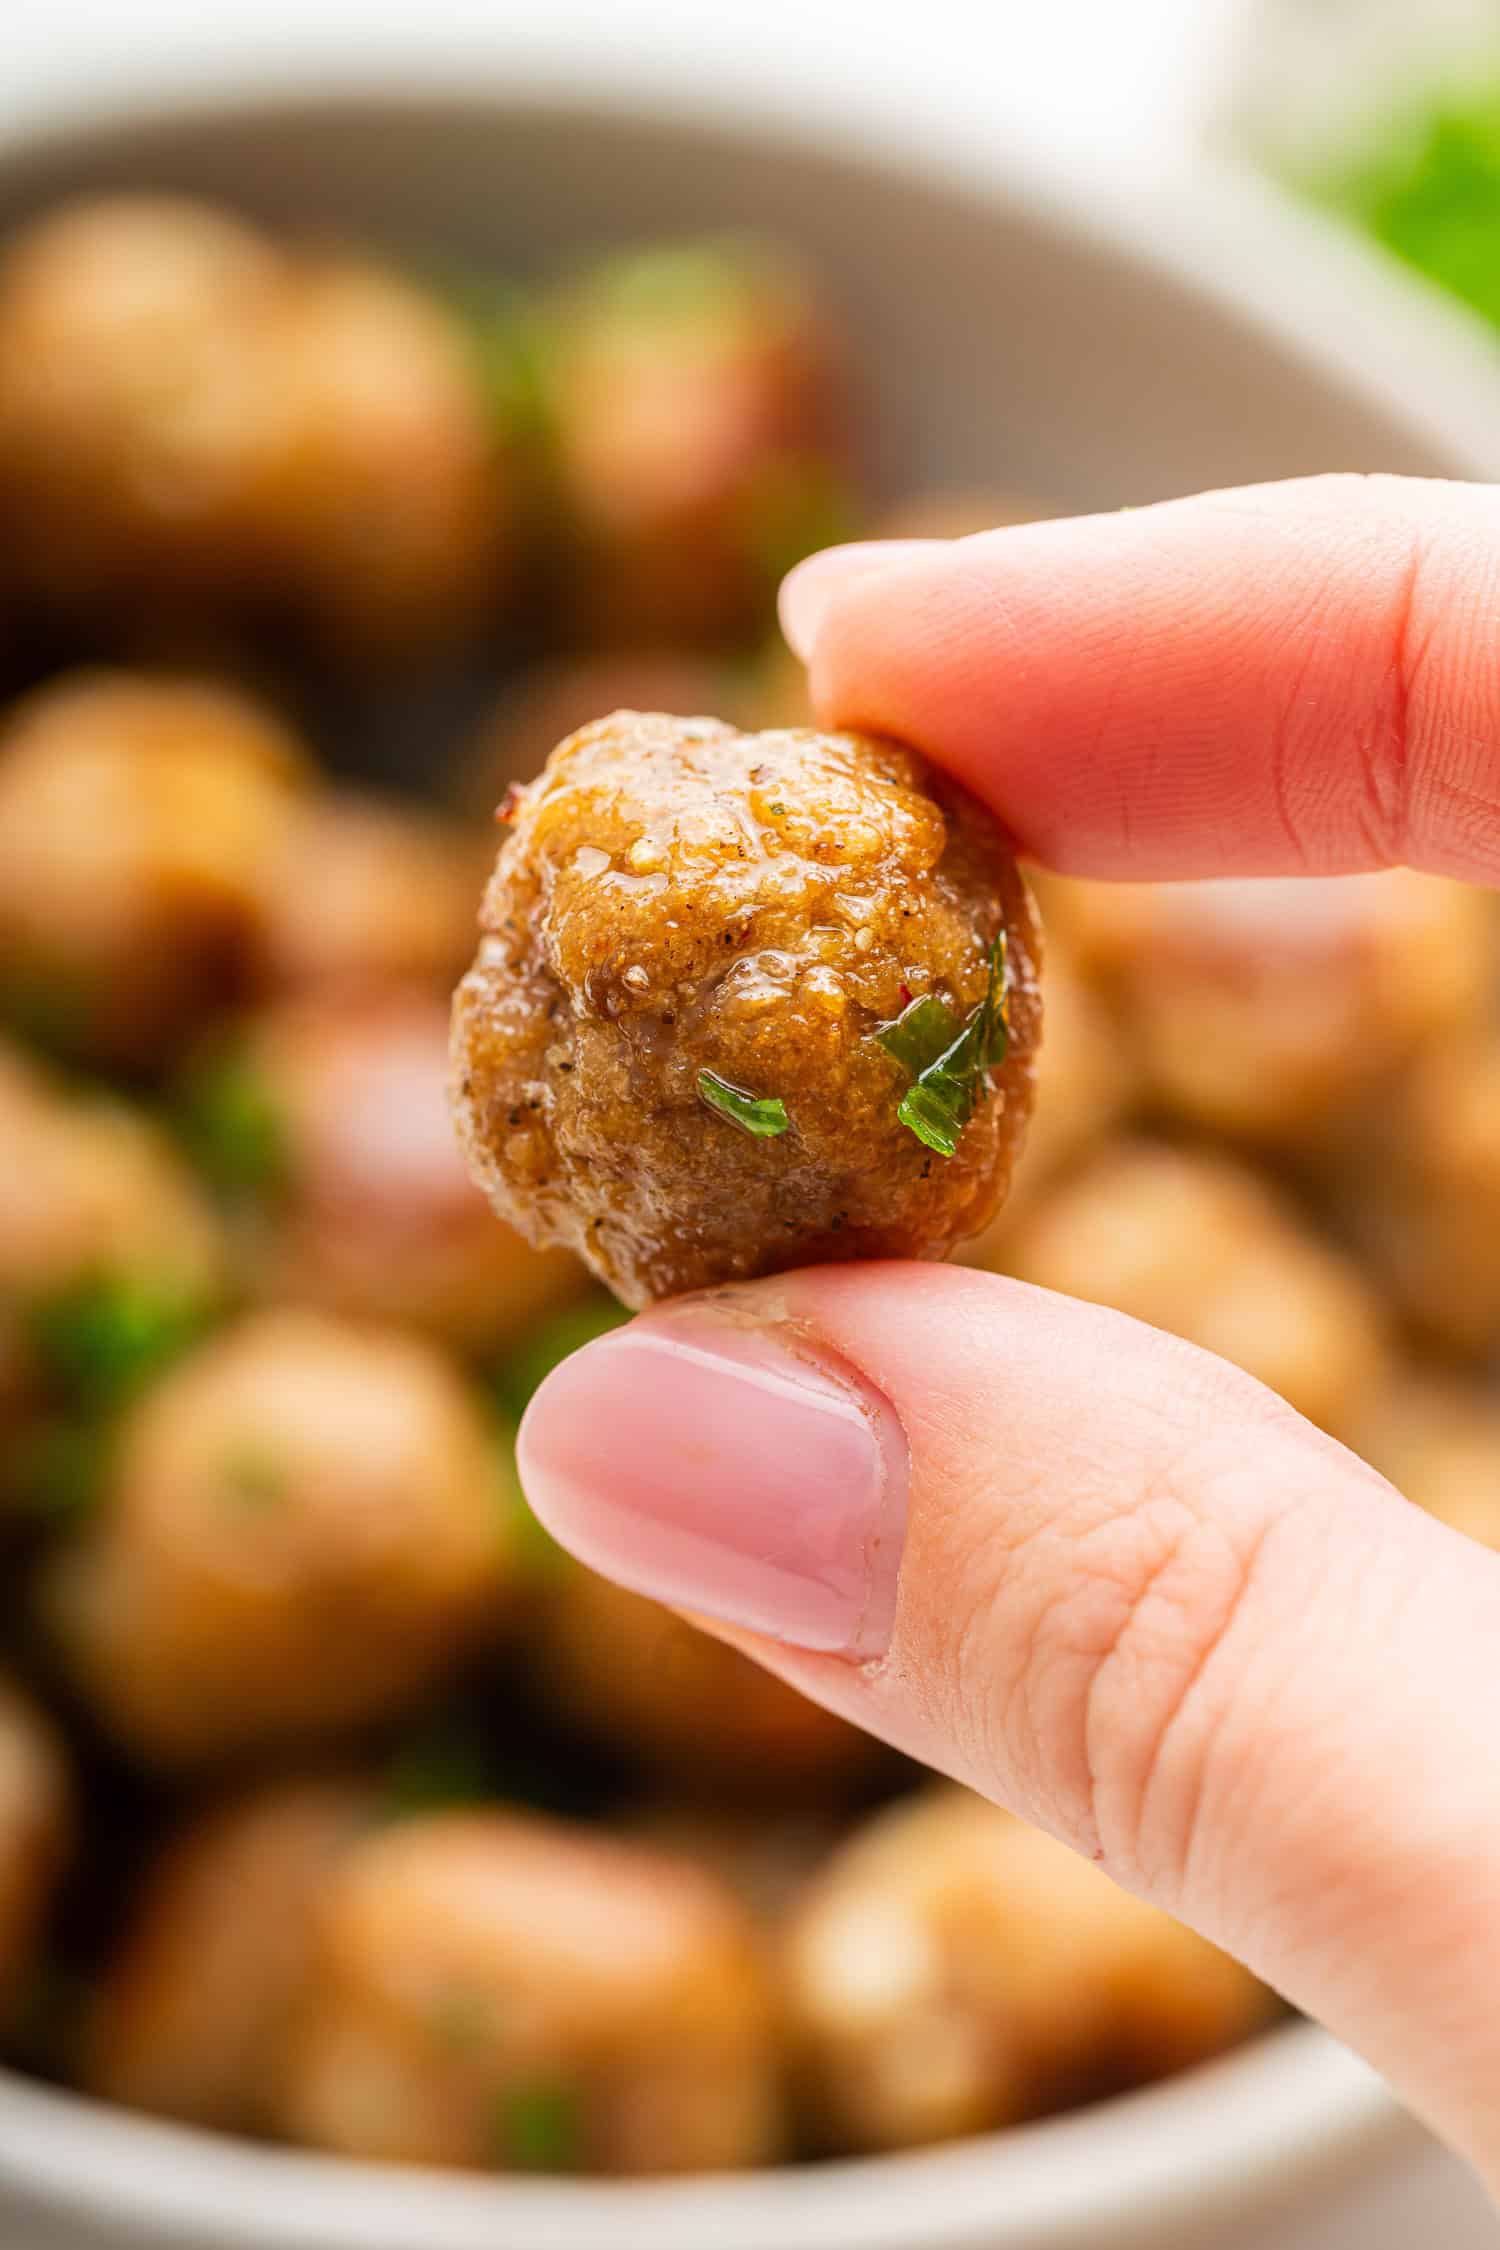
x=1247, y=2135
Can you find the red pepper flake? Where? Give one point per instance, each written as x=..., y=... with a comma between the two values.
x=907, y=996
x=509, y=805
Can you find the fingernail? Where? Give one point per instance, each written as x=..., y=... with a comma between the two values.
x=809, y=588
x=718, y=1464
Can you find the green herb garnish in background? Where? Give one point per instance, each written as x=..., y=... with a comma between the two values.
x=522, y=1371
x=102, y=1340
x=948, y=1086
x=439, y=1767
x=54, y=1472
x=233, y=1128
x=764, y=1116
x=538, y=2128
x=1430, y=193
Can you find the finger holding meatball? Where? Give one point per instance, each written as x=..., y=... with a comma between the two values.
x=745, y=1001
x=304, y=1526
x=951, y=1970
x=495, y=1991
x=138, y=818
x=326, y=1121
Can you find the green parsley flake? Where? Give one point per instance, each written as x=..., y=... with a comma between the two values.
x=948, y=1088
x=539, y=2128
x=102, y=1341
x=764, y=1116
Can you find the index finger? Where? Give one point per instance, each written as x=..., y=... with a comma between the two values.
x=1296, y=678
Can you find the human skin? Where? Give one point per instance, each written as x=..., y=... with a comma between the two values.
x=1138, y=1599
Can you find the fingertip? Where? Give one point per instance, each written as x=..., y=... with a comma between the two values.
x=811, y=589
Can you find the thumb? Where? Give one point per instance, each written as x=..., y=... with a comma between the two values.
x=1102, y=1577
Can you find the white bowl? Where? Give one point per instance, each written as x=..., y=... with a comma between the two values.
x=1007, y=339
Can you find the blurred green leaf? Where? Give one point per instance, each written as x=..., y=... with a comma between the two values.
x=539, y=2128
x=102, y=1341
x=529, y=1363
x=232, y=1128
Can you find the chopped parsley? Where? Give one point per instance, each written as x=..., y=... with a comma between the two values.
x=762, y=1115
x=538, y=2128
x=1429, y=191
x=102, y=1340
x=233, y=1128
x=949, y=1081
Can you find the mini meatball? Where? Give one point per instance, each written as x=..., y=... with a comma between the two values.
x=379, y=512
x=137, y=820
x=1268, y=1009
x=494, y=1991
x=1198, y=1246
x=1437, y=1438
x=1419, y=1191
x=715, y=976
x=365, y=891
x=555, y=698
x=194, y=2010
x=304, y=1526
x=110, y=1256
x=658, y=1690
x=36, y=1835
x=134, y=400
x=697, y=416
x=328, y=1123
x=952, y=1970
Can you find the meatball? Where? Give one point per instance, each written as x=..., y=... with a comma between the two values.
x=951, y=1970
x=696, y=412
x=36, y=1834
x=1195, y=1244
x=491, y=1990
x=658, y=1690
x=304, y=1525
x=1437, y=1438
x=328, y=1123
x=1419, y=1190
x=134, y=400
x=137, y=819
x=1270, y=1009
x=379, y=511
x=109, y=1254
x=193, y=2012
x=364, y=891
x=712, y=967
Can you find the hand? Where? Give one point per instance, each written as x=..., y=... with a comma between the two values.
x=1090, y=1571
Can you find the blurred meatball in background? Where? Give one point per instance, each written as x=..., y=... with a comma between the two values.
x=138, y=819
x=951, y=1970
x=193, y=2012
x=303, y=1526
x=37, y=1821
x=325, y=1122
x=496, y=1991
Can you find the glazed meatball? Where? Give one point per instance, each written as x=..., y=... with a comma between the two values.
x=193, y=2014
x=134, y=400
x=712, y=969
x=365, y=891
x=109, y=1254
x=952, y=1970
x=379, y=510
x=36, y=1834
x=1437, y=1437
x=493, y=1991
x=1196, y=1245
x=304, y=1525
x=658, y=1690
x=696, y=414
x=137, y=820
x=1419, y=1192
x=1269, y=1009
x=327, y=1122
